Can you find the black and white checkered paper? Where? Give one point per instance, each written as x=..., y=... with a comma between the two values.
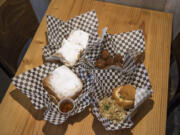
x=100, y=82
x=117, y=44
x=30, y=83
x=57, y=30
x=126, y=44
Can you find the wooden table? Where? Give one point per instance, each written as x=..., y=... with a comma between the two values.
x=17, y=114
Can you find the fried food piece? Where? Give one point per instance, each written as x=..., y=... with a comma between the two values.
x=124, y=95
x=139, y=58
x=110, y=61
x=118, y=58
x=128, y=91
x=105, y=54
x=118, y=64
x=100, y=63
x=58, y=87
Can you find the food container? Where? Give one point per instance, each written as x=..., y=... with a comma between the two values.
x=99, y=82
x=128, y=45
x=57, y=30
x=30, y=83
x=66, y=106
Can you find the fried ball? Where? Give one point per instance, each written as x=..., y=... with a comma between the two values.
x=128, y=91
x=105, y=54
x=124, y=95
x=107, y=66
x=118, y=64
x=139, y=58
x=100, y=63
x=109, y=61
x=118, y=58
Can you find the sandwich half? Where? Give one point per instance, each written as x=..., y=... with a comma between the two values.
x=62, y=83
x=72, y=47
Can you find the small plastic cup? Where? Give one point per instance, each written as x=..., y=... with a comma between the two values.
x=65, y=101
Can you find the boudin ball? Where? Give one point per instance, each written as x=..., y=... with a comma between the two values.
x=140, y=58
x=100, y=63
x=109, y=61
x=118, y=59
x=118, y=64
x=105, y=54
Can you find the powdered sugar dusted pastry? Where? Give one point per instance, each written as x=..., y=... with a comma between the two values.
x=71, y=49
x=63, y=83
x=79, y=37
x=69, y=53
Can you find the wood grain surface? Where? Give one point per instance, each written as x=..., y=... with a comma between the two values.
x=18, y=116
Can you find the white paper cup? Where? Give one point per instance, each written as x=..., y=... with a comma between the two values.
x=63, y=101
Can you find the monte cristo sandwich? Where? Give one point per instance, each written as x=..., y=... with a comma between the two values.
x=72, y=47
x=62, y=83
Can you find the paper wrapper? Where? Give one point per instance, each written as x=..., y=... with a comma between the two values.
x=30, y=83
x=107, y=80
x=101, y=81
x=128, y=45
x=57, y=30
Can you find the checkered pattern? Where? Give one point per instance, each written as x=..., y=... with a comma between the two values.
x=54, y=31
x=102, y=82
x=141, y=95
x=108, y=124
x=118, y=44
x=140, y=77
x=93, y=51
x=121, y=43
x=106, y=81
x=128, y=64
x=128, y=45
x=57, y=30
x=30, y=83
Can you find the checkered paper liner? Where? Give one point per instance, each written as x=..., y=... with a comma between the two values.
x=107, y=80
x=30, y=83
x=128, y=45
x=116, y=44
x=57, y=30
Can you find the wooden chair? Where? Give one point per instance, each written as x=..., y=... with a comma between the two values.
x=18, y=24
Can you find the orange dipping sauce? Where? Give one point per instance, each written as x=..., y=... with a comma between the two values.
x=66, y=106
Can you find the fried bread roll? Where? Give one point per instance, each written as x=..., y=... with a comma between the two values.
x=124, y=95
x=62, y=83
